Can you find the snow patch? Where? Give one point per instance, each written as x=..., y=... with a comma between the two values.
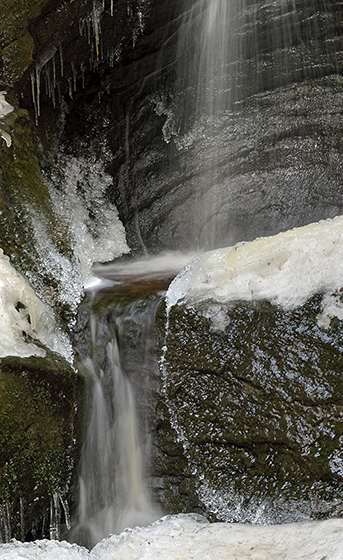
x=24, y=320
x=285, y=269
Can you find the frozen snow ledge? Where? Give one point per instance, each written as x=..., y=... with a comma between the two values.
x=285, y=269
x=24, y=319
x=191, y=536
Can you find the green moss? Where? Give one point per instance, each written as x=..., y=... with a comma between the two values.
x=260, y=403
x=24, y=200
x=16, y=58
x=15, y=17
x=20, y=167
x=37, y=429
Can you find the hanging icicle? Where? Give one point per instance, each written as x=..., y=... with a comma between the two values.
x=5, y=523
x=38, y=71
x=73, y=69
x=36, y=80
x=33, y=91
x=96, y=28
x=55, y=516
x=61, y=58
x=54, y=70
x=83, y=69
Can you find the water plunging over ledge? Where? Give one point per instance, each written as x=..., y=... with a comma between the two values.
x=238, y=144
x=113, y=482
x=113, y=427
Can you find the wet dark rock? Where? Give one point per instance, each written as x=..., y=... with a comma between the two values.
x=258, y=406
x=41, y=401
x=272, y=161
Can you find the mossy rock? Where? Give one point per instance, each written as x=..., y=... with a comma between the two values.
x=16, y=58
x=258, y=405
x=29, y=29
x=26, y=209
x=39, y=399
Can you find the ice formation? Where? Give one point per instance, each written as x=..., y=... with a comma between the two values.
x=25, y=322
x=191, y=536
x=79, y=195
x=285, y=269
x=5, y=108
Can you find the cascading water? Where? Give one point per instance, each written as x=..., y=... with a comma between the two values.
x=114, y=491
x=247, y=74
x=234, y=62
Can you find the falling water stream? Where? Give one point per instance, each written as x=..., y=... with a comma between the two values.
x=215, y=77
x=113, y=481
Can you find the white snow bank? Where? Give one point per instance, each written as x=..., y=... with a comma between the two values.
x=42, y=550
x=185, y=537
x=285, y=269
x=24, y=319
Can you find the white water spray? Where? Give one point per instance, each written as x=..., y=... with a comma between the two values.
x=113, y=487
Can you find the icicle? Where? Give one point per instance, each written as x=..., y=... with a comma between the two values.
x=38, y=71
x=22, y=526
x=70, y=89
x=5, y=523
x=61, y=58
x=33, y=90
x=88, y=31
x=47, y=81
x=141, y=21
x=54, y=70
x=96, y=28
x=53, y=96
x=55, y=515
x=74, y=75
x=65, y=506
x=83, y=69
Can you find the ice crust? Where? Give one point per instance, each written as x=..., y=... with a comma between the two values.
x=185, y=537
x=24, y=319
x=5, y=108
x=97, y=234
x=285, y=269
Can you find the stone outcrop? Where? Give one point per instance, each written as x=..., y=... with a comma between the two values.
x=39, y=434
x=107, y=80
x=257, y=403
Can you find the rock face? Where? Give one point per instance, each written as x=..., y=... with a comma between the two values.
x=129, y=88
x=124, y=84
x=38, y=427
x=182, y=175
x=258, y=405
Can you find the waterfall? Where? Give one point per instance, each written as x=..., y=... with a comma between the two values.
x=241, y=114
x=113, y=485
x=257, y=150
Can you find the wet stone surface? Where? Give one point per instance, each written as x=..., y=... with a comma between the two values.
x=39, y=428
x=257, y=401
